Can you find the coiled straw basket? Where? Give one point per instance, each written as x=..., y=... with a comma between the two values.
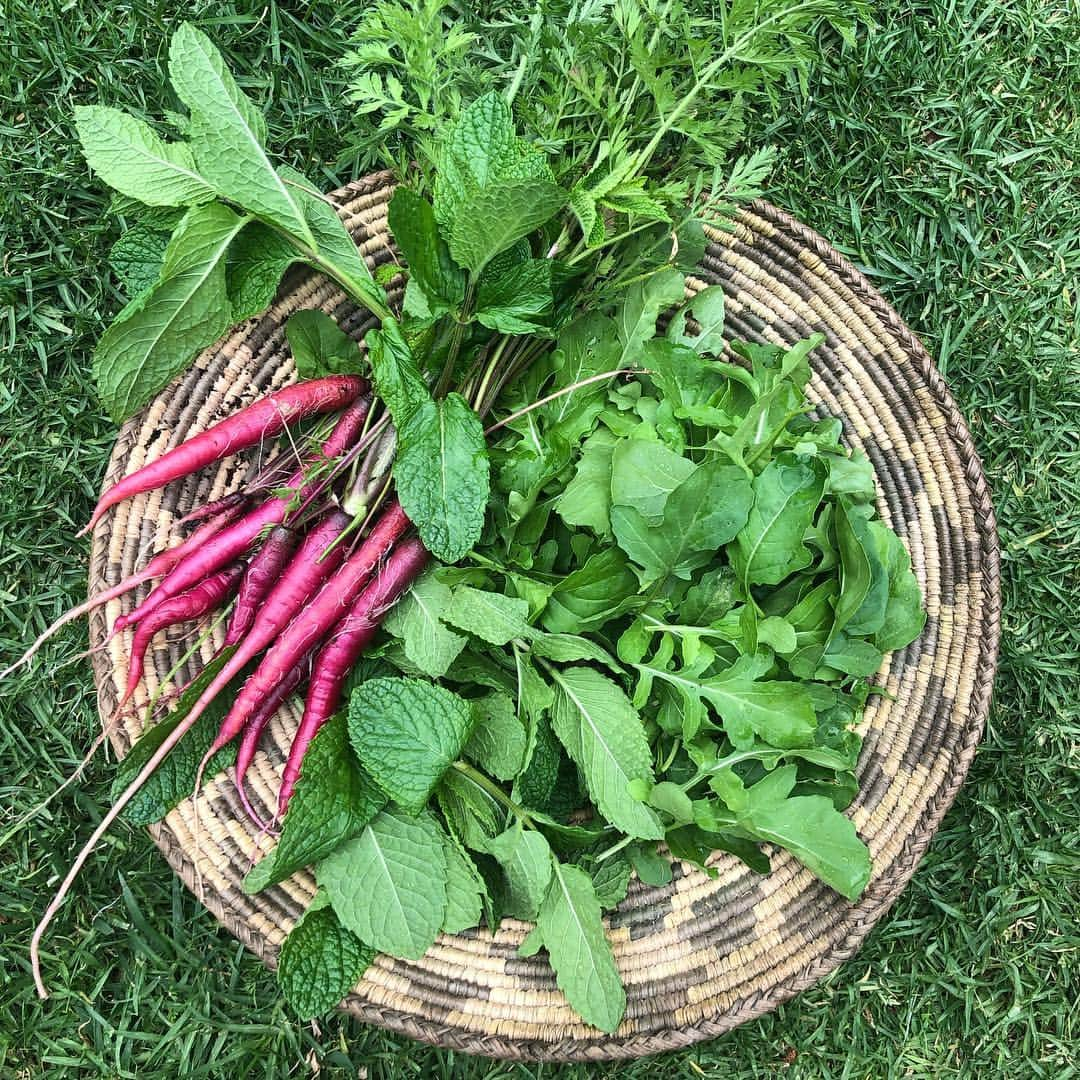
x=699, y=956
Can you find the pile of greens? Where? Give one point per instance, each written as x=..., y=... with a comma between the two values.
x=664, y=586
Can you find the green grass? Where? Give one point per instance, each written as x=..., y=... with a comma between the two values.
x=940, y=154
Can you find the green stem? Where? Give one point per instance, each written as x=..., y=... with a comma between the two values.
x=488, y=785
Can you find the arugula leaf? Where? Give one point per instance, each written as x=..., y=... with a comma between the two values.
x=569, y=925
x=858, y=544
x=707, y=307
x=333, y=801
x=406, y=734
x=601, y=589
x=498, y=740
x=417, y=620
x=643, y=474
x=320, y=347
x=786, y=494
x=491, y=617
x=174, y=779
x=905, y=616
x=442, y=475
x=129, y=157
x=603, y=734
x=525, y=857
x=388, y=885
x=227, y=134
x=320, y=961
x=586, y=500
x=416, y=233
x=154, y=337
x=586, y=347
x=644, y=301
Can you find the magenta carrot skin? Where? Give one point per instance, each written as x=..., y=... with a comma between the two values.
x=315, y=621
x=349, y=639
x=218, y=506
x=205, y=597
x=259, y=578
x=264, y=419
x=234, y=541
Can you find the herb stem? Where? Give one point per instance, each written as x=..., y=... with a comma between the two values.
x=562, y=393
x=488, y=785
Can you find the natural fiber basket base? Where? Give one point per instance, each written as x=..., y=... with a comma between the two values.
x=699, y=956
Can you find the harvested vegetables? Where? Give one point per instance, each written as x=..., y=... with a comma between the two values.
x=633, y=620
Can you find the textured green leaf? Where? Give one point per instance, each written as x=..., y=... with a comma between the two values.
x=153, y=338
x=320, y=962
x=534, y=786
x=473, y=816
x=491, y=219
x=517, y=301
x=227, y=134
x=412, y=222
x=128, y=156
x=525, y=857
x=388, y=885
x=464, y=890
x=786, y=494
x=417, y=620
x=332, y=802
x=137, y=256
x=603, y=734
x=611, y=880
x=174, y=779
x=397, y=378
x=705, y=511
x=492, y=617
x=257, y=261
x=570, y=927
x=320, y=347
x=406, y=734
x=442, y=475
x=644, y=474
x=586, y=500
x=498, y=739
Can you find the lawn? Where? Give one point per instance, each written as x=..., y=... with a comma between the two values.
x=939, y=153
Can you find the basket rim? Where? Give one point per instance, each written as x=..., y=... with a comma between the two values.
x=882, y=893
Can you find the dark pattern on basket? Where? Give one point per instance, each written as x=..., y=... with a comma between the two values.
x=701, y=955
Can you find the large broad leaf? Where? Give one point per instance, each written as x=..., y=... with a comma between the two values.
x=388, y=885
x=332, y=802
x=227, y=134
x=786, y=494
x=320, y=961
x=128, y=156
x=569, y=925
x=442, y=475
x=603, y=734
x=417, y=620
x=407, y=733
x=153, y=338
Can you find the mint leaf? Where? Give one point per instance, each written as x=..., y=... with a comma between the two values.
x=442, y=475
x=586, y=500
x=704, y=512
x=611, y=880
x=257, y=260
x=320, y=347
x=644, y=474
x=320, y=962
x=388, y=885
x=227, y=134
x=334, y=799
x=570, y=926
x=498, y=739
x=393, y=370
x=603, y=734
x=412, y=222
x=491, y=219
x=174, y=779
x=155, y=336
x=525, y=857
x=786, y=494
x=417, y=620
x=567, y=647
x=137, y=256
x=129, y=157
x=406, y=734
x=464, y=890
x=492, y=617
x=517, y=301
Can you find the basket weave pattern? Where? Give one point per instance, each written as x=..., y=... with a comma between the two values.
x=700, y=955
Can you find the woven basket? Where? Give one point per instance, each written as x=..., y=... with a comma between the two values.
x=700, y=955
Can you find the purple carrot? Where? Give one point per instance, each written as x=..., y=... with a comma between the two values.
x=219, y=506
x=349, y=639
x=262, y=572
x=264, y=419
x=207, y=596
